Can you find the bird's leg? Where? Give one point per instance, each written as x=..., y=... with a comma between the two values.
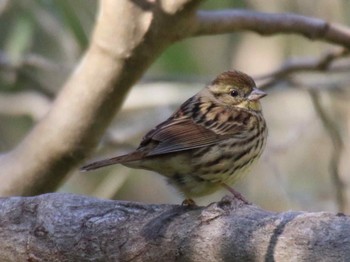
x=236, y=194
x=188, y=202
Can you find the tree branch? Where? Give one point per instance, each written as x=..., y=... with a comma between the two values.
x=64, y=227
x=226, y=21
x=322, y=63
x=338, y=148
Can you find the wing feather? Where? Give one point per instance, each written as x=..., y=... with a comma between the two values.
x=182, y=134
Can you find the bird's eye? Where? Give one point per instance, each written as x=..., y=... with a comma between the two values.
x=234, y=93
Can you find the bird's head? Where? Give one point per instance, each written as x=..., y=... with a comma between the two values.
x=236, y=89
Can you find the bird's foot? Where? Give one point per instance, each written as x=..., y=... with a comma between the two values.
x=188, y=202
x=236, y=194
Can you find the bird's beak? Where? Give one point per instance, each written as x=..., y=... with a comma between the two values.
x=256, y=94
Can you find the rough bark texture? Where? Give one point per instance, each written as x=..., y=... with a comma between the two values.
x=64, y=227
x=128, y=36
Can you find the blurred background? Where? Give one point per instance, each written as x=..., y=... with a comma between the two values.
x=305, y=165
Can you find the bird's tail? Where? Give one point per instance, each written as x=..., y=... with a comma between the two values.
x=111, y=161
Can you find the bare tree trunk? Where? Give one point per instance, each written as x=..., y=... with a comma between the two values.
x=65, y=227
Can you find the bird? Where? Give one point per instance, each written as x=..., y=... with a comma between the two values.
x=209, y=143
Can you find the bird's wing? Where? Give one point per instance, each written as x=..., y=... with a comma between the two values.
x=183, y=134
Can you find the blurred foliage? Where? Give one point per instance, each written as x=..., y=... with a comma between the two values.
x=41, y=41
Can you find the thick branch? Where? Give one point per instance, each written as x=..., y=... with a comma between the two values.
x=226, y=21
x=63, y=227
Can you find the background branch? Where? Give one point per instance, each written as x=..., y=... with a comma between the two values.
x=64, y=227
x=31, y=103
x=322, y=63
x=338, y=147
x=226, y=21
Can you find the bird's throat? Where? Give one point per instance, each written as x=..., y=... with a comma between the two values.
x=251, y=105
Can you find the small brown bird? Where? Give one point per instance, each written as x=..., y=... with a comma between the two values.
x=209, y=142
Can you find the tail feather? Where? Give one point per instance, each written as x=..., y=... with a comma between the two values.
x=111, y=161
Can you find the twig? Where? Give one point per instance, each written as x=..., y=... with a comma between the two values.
x=322, y=63
x=338, y=147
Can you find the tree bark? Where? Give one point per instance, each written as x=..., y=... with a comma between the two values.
x=128, y=36
x=65, y=227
